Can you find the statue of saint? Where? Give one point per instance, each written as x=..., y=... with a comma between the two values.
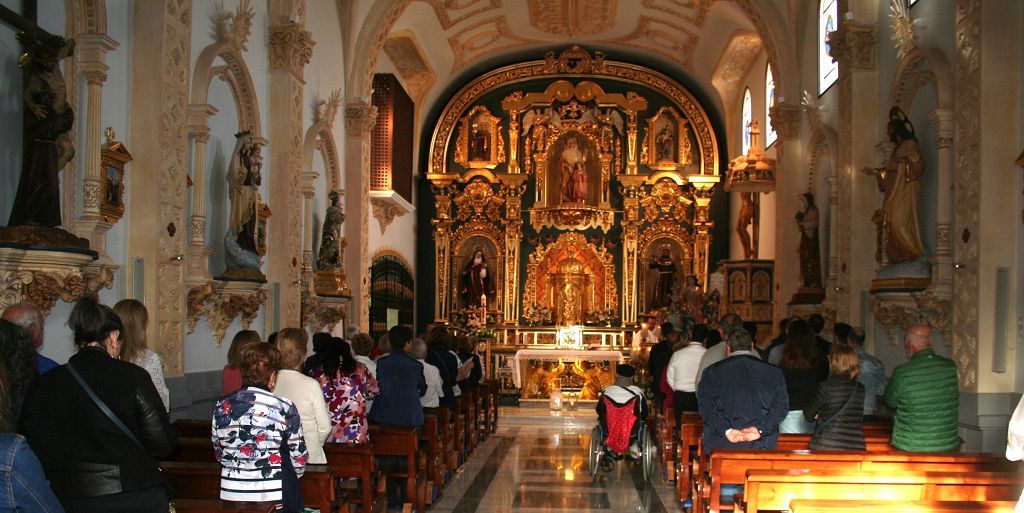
x=578, y=184
x=244, y=179
x=477, y=282
x=570, y=305
x=47, y=119
x=329, y=257
x=665, y=146
x=571, y=155
x=479, y=143
x=666, y=279
x=810, y=255
x=750, y=210
x=898, y=180
x=694, y=300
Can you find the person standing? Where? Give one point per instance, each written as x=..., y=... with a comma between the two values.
x=95, y=461
x=657, y=361
x=135, y=318
x=401, y=383
x=303, y=391
x=836, y=407
x=681, y=376
x=803, y=368
x=28, y=316
x=432, y=376
x=1015, y=443
x=231, y=376
x=349, y=389
x=729, y=323
x=926, y=396
x=871, y=374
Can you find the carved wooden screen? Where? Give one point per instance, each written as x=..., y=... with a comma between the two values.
x=391, y=154
x=391, y=288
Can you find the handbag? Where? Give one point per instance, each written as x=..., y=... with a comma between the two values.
x=117, y=422
x=822, y=425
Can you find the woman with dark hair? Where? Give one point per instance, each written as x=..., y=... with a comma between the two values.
x=347, y=385
x=837, y=407
x=257, y=436
x=136, y=318
x=804, y=368
x=231, y=377
x=18, y=358
x=320, y=342
x=467, y=352
x=99, y=460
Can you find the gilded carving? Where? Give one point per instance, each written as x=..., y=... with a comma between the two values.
x=572, y=18
x=667, y=144
x=220, y=303
x=479, y=143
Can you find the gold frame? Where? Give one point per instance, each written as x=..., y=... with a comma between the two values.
x=579, y=242
x=113, y=156
x=684, y=153
x=492, y=127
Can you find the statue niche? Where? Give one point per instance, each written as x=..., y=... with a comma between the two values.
x=573, y=169
x=476, y=271
x=571, y=290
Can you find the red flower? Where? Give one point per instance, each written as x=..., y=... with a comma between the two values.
x=261, y=438
x=275, y=459
x=226, y=408
x=246, y=450
x=301, y=460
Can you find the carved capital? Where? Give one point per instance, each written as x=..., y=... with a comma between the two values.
x=899, y=311
x=221, y=302
x=785, y=119
x=854, y=46
x=360, y=118
x=385, y=212
x=95, y=73
x=199, y=121
x=944, y=124
x=290, y=48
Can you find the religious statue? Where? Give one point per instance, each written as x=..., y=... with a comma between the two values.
x=479, y=143
x=477, y=284
x=666, y=278
x=898, y=180
x=536, y=123
x=244, y=179
x=749, y=215
x=810, y=255
x=329, y=257
x=570, y=305
x=571, y=156
x=578, y=184
x=694, y=300
x=47, y=120
x=665, y=145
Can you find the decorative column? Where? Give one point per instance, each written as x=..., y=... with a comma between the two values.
x=360, y=118
x=630, y=303
x=789, y=183
x=92, y=50
x=942, y=261
x=198, y=271
x=702, y=225
x=513, y=237
x=854, y=47
x=160, y=78
x=290, y=50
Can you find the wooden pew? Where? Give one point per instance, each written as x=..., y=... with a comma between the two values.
x=494, y=387
x=356, y=461
x=485, y=409
x=730, y=466
x=194, y=480
x=666, y=428
x=465, y=414
x=219, y=506
x=686, y=451
x=832, y=506
x=404, y=442
x=194, y=450
x=431, y=439
x=772, y=490
x=193, y=428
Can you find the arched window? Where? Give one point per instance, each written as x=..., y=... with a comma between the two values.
x=828, y=19
x=769, y=102
x=748, y=115
x=391, y=294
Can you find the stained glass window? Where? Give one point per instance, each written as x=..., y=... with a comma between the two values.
x=769, y=102
x=828, y=20
x=748, y=115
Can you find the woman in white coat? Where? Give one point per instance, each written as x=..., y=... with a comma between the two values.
x=304, y=391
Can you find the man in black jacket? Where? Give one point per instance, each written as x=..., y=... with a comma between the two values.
x=439, y=342
x=401, y=383
x=658, y=359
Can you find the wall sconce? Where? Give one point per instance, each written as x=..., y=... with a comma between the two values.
x=177, y=258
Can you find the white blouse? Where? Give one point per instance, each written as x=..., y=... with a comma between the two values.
x=151, y=361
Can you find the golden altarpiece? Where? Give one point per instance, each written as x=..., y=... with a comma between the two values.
x=570, y=193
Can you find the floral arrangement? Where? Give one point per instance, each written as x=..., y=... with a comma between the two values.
x=536, y=315
x=601, y=317
x=474, y=323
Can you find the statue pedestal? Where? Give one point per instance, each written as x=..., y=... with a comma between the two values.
x=912, y=276
x=330, y=283
x=330, y=310
x=808, y=297
x=222, y=300
x=42, y=275
x=896, y=311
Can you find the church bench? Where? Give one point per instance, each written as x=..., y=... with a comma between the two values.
x=431, y=439
x=666, y=441
x=354, y=465
x=686, y=450
x=194, y=449
x=465, y=406
x=730, y=466
x=800, y=441
x=834, y=506
x=194, y=480
x=473, y=420
x=458, y=422
x=494, y=392
x=484, y=388
x=219, y=506
x=772, y=490
x=403, y=442
x=193, y=428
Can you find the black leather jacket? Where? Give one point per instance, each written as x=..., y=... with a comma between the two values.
x=83, y=453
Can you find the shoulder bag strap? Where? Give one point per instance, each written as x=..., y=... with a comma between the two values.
x=847, y=403
x=102, y=405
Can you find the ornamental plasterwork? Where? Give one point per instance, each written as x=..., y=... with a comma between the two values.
x=855, y=42
x=451, y=13
x=43, y=277
x=678, y=9
x=290, y=48
x=572, y=18
x=902, y=27
x=221, y=302
x=385, y=212
x=734, y=65
x=484, y=37
x=673, y=41
x=898, y=311
x=235, y=29
x=409, y=60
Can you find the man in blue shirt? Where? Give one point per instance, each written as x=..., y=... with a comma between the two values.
x=28, y=316
x=401, y=383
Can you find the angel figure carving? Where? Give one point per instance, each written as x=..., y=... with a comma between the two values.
x=611, y=122
x=537, y=124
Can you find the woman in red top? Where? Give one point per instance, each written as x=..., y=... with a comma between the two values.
x=231, y=378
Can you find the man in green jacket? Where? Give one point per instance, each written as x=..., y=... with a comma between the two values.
x=926, y=396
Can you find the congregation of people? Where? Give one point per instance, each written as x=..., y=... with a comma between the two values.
x=89, y=435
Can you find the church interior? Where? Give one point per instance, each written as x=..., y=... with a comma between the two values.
x=545, y=176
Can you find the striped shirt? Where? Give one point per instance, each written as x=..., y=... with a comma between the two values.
x=250, y=428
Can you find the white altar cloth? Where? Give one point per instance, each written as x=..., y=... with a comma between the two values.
x=555, y=355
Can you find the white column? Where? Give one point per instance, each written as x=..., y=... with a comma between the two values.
x=942, y=261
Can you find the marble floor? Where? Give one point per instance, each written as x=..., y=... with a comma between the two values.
x=537, y=462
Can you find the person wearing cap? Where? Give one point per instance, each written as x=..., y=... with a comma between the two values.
x=621, y=392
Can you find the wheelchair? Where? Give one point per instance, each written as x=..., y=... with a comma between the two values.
x=609, y=442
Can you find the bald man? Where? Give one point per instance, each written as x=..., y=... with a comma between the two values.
x=925, y=394
x=28, y=316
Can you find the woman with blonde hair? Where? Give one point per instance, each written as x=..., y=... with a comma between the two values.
x=838, y=406
x=303, y=391
x=135, y=318
x=231, y=377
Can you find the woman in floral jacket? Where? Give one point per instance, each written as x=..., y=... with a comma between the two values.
x=347, y=385
x=257, y=436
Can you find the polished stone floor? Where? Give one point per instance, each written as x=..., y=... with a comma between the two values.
x=537, y=462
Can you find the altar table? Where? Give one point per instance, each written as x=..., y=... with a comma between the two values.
x=520, y=366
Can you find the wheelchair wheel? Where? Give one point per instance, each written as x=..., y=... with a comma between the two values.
x=595, y=451
x=647, y=456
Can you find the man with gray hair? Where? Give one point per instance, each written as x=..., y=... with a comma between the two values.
x=28, y=316
x=431, y=374
x=729, y=323
x=742, y=399
x=926, y=395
